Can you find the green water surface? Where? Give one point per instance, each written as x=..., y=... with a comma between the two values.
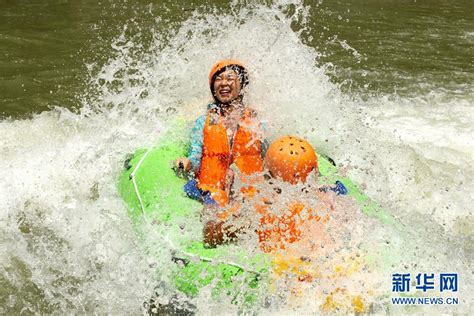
x=400, y=47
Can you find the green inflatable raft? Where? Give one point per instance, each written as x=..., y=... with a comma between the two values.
x=156, y=200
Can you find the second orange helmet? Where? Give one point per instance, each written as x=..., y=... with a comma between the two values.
x=291, y=158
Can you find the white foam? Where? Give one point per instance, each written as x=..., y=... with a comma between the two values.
x=64, y=229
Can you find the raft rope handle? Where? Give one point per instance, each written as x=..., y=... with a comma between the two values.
x=236, y=265
x=135, y=186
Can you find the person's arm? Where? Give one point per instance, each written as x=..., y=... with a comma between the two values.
x=196, y=137
x=193, y=161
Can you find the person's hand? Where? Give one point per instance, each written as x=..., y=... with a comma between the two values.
x=183, y=164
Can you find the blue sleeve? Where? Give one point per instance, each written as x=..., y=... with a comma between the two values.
x=195, y=150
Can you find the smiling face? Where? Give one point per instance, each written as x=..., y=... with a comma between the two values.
x=227, y=86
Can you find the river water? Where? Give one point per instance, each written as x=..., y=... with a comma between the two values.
x=383, y=87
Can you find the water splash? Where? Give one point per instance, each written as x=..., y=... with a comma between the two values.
x=67, y=241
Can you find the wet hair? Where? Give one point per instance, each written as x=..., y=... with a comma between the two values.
x=241, y=74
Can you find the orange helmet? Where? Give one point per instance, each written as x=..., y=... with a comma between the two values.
x=218, y=67
x=291, y=158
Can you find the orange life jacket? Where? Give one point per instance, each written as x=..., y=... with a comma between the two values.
x=276, y=232
x=217, y=154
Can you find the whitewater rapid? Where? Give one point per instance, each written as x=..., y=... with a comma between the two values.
x=67, y=244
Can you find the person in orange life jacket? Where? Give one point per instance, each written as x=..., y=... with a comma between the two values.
x=293, y=219
x=286, y=219
x=228, y=134
x=290, y=159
